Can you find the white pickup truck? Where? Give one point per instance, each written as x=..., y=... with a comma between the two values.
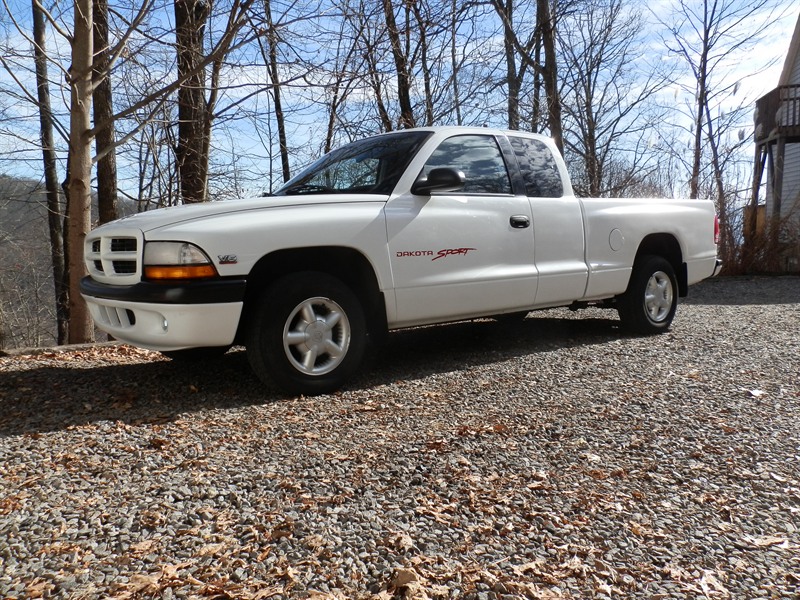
x=408, y=228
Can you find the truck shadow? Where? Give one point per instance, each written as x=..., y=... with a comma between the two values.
x=419, y=352
x=53, y=398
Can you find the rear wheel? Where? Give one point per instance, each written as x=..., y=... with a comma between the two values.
x=648, y=306
x=308, y=333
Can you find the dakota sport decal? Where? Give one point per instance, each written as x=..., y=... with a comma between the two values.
x=435, y=255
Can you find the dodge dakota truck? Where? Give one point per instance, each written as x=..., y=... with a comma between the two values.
x=403, y=229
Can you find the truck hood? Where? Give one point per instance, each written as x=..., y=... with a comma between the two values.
x=163, y=217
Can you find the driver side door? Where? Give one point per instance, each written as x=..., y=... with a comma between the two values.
x=462, y=254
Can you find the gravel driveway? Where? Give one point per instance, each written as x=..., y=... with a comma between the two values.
x=549, y=458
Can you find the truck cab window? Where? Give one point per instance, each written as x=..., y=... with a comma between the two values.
x=479, y=157
x=538, y=167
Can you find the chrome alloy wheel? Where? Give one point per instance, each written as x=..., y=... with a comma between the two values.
x=316, y=336
x=658, y=297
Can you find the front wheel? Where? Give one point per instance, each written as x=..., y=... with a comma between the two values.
x=308, y=333
x=648, y=306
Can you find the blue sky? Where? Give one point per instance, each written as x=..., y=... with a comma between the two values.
x=772, y=49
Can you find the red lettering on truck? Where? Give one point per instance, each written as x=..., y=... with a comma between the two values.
x=452, y=252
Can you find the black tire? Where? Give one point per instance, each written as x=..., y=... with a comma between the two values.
x=648, y=305
x=290, y=341
x=189, y=355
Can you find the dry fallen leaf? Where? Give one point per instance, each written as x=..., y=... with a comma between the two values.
x=764, y=541
x=39, y=589
x=210, y=550
x=403, y=577
x=143, y=546
x=712, y=587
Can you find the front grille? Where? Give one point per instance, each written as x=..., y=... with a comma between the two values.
x=124, y=267
x=123, y=244
x=111, y=316
x=114, y=258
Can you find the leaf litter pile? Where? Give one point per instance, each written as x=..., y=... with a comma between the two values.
x=554, y=457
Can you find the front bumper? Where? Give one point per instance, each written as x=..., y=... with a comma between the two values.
x=167, y=316
x=207, y=291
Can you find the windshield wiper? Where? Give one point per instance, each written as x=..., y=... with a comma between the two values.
x=308, y=188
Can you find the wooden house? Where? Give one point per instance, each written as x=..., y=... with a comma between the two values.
x=776, y=218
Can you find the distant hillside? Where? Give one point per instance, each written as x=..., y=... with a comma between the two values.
x=27, y=297
x=26, y=284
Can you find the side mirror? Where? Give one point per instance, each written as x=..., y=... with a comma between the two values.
x=441, y=179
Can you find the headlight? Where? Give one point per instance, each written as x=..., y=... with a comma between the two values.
x=176, y=260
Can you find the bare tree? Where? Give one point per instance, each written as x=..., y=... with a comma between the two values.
x=190, y=23
x=546, y=23
x=271, y=57
x=342, y=79
x=103, y=113
x=519, y=45
x=79, y=169
x=455, y=61
x=529, y=47
x=83, y=77
x=608, y=90
x=416, y=67
x=704, y=35
x=55, y=209
x=401, y=60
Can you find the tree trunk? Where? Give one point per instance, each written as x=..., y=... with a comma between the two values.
x=594, y=168
x=377, y=89
x=79, y=176
x=422, y=25
x=536, y=109
x=550, y=71
x=401, y=66
x=513, y=82
x=55, y=211
x=190, y=21
x=104, y=119
x=454, y=66
x=340, y=89
x=701, y=73
x=694, y=182
x=274, y=74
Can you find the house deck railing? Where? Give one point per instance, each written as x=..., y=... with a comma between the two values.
x=778, y=114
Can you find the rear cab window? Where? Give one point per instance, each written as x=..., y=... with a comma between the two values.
x=538, y=167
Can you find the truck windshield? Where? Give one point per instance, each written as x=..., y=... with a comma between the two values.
x=370, y=166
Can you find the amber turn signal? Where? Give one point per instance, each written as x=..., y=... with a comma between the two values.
x=156, y=272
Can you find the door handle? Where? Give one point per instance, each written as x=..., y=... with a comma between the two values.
x=520, y=221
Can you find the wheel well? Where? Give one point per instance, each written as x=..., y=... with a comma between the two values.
x=346, y=264
x=666, y=246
